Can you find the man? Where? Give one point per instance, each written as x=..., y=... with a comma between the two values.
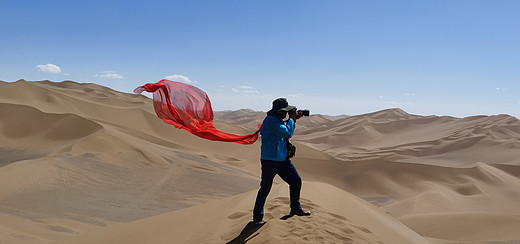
x=275, y=132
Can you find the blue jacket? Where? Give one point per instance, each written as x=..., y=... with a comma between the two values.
x=274, y=138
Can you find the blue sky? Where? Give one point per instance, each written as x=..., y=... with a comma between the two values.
x=457, y=58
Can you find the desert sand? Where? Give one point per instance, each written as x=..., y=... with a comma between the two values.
x=82, y=163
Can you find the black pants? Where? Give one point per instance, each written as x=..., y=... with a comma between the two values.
x=286, y=170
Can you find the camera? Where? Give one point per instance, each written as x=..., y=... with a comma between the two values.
x=305, y=112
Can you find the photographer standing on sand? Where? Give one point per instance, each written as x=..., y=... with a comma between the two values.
x=275, y=157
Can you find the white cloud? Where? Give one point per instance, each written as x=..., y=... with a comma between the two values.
x=502, y=89
x=180, y=78
x=251, y=92
x=295, y=95
x=110, y=75
x=246, y=90
x=48, y=68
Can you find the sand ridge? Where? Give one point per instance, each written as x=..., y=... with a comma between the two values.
x=231, y=223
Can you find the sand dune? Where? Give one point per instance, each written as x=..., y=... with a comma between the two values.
x=227, y=220
x=395, y=135
x=26, y=124
x=82, y=163
x=467, y=226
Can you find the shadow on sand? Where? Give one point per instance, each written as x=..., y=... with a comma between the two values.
x=287, y=217
x=247, y=233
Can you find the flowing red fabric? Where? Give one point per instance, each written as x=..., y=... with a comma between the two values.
x=188, y=107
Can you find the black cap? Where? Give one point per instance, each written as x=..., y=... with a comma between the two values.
x=281, y=104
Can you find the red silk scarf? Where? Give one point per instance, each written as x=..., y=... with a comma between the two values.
x=188, y=107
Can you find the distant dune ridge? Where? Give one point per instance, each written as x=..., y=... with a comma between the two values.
x=82, y=163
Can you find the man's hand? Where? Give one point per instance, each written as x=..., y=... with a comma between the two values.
x=295, y=114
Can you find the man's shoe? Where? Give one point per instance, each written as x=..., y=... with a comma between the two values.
x=300, y=212
x=258, y=222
